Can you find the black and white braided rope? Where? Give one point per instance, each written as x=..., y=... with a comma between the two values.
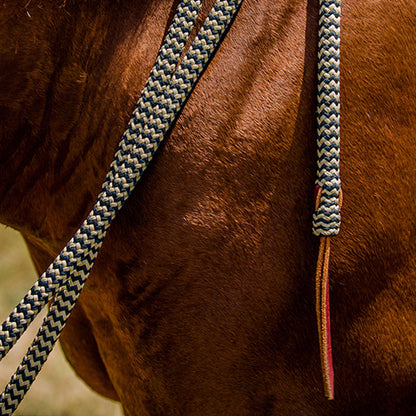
x=73, y=254
x=163, y=97
x=327, y=218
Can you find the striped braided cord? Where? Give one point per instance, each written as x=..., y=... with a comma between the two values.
x=327, y=218
x=136, y=150
x=82, y=249
x=75, y=256
x=79, y=254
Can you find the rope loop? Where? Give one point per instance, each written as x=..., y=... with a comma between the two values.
x=163, y=96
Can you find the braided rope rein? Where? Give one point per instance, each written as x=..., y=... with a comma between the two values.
x=66, y=262
x=163, y=98
x=328, y=198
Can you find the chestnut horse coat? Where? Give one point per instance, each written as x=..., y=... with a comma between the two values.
x=202, y=299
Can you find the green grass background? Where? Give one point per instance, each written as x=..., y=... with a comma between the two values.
x=57, y=391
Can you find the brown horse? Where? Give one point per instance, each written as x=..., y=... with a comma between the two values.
x=202, y=298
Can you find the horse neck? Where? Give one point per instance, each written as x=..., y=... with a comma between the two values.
x=72, y=75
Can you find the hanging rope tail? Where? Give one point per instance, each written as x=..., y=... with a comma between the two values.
x=327, y=218
x=161, y=101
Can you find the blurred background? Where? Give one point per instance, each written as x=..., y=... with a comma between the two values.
x=57, y=391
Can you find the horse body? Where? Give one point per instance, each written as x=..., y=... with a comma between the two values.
x=202, y=298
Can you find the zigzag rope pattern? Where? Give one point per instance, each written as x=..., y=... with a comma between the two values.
x=76, y=254
x=327, y=218
x=160, y=103
x=162, y=98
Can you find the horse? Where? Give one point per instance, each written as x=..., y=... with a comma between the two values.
x=202, y=298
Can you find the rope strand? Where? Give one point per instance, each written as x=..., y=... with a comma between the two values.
x=162, y=99
x=136, y=150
